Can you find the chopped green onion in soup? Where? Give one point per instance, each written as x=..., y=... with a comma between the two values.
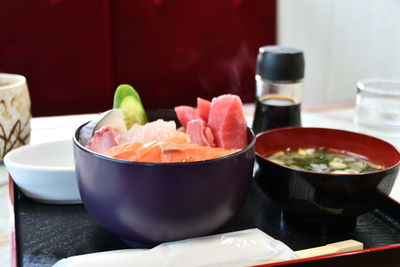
x=322, y=160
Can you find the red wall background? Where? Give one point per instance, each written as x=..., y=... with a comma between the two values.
x=74, y=53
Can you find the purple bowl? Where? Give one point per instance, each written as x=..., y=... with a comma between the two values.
x=158, y=202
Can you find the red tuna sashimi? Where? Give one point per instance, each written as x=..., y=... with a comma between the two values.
x=104, y=139
x=199, y=133
x=203, y=108
x=185, y=114
x=227, y=122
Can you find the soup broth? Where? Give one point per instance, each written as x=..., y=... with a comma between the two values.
x=322, y=160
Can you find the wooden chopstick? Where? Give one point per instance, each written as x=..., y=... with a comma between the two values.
x=332, y=248
x=338, y=247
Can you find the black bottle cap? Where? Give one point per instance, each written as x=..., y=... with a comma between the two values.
x=278, y=63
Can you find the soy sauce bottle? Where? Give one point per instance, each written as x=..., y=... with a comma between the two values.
x=279, y=82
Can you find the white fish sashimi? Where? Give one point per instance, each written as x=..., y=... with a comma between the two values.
x=153, y=131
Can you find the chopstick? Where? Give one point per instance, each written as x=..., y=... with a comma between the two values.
x=338, y=247
x=332, y=248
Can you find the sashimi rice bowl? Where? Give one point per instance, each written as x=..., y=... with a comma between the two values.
x=152, y=180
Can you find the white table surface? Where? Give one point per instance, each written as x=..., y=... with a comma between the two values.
x=47, y=129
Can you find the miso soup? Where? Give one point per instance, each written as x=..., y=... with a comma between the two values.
x=323, y=160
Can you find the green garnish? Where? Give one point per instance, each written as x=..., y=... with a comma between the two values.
x=128, y=100
x=323, y=160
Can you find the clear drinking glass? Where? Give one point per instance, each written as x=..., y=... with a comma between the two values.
x=378, y=105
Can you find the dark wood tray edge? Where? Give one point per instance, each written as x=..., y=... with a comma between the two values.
x=385, y=256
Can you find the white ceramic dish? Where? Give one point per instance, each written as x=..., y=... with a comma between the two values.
x=45, y=172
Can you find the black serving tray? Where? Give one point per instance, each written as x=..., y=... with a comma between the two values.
x=46, y=233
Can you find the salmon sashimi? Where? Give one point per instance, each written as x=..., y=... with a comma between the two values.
x=193, y=152
x=176, y=149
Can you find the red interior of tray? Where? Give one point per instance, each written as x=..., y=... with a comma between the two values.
x=320, y=259
x=13, y=243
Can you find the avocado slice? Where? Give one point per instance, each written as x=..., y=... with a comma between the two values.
x=128, y=100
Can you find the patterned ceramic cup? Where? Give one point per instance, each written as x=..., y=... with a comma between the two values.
x=15, y=112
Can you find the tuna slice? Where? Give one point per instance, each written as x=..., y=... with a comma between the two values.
x=186, y=114
x=227, y=122
x=104, y=139
x=200, y=133
x=203, y=108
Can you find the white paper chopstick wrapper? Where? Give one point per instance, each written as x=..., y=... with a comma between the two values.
x=240, y=248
